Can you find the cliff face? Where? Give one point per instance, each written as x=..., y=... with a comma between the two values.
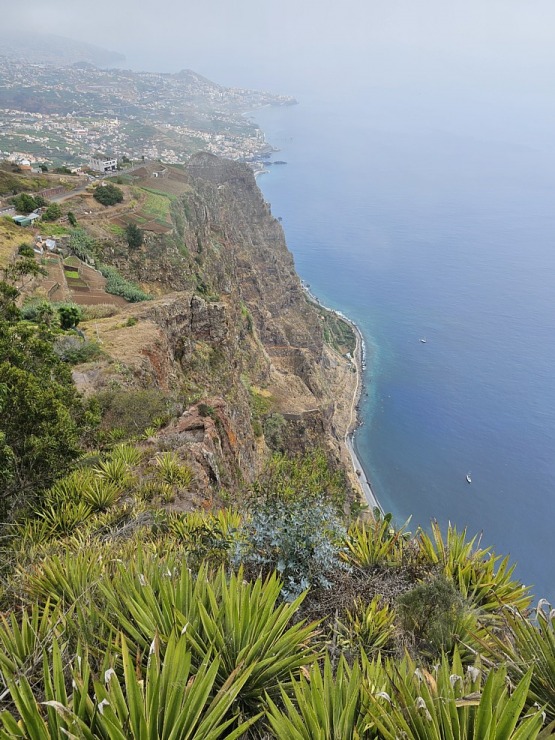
x=236, y=341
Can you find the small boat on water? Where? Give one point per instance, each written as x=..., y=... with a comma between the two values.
x=468, y=478
x=423, y=340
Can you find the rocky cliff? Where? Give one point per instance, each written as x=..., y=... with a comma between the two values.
x=232, y=337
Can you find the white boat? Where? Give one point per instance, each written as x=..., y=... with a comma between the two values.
x=423, y=340
x=468, y=478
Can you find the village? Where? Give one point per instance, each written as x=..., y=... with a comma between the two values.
x=60, y=116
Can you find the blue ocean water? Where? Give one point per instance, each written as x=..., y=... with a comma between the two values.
x=418, y=229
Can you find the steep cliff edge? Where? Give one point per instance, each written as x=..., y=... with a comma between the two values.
x=252, y=364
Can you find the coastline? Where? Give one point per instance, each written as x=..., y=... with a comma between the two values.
x=360, y=476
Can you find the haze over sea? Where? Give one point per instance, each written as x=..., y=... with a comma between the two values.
x=429, y=214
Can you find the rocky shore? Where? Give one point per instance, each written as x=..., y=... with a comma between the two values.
x=351, y=421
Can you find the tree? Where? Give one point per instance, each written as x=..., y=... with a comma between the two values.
x=72, y=219
x=24, y=203
x=108, y=194
x=70, y=316
x=52, y=213
x=41, y=416
x=43, y=168
x=134, y=236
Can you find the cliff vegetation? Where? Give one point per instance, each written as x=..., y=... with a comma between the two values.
x=184, y=550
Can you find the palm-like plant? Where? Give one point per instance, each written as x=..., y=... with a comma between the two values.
x=243, y=623
x=128, y=453
x=483, y=579
x=100, y=494
x=368, y=627
x=375, y=542
x=171, y=470
x=452, y=703
x=116, y=471
x=323, y=706
x=25, y=638
x=532, y=645
x=170, y=702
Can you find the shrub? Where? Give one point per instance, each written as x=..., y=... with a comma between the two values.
x=52, y=213
x=134, y=236
x=433, y=614
x=75, y=350
x=25, y=250
x=70, y=315
x=132, y=411
x=300, y=542
x=118, y=285
x=108, y=194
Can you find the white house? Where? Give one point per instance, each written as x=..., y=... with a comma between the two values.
x=100, y=164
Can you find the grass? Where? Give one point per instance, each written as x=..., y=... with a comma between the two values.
x=115, y=229
x=157, y=205
x=11, y=236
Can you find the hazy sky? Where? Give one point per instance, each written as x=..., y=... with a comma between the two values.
x=290, y=43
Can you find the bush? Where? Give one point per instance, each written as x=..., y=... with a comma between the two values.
x=52, y=213
x=432, y=613
x=300, y=542
x=75, y=350
x=70, y=315
x=25, y=250
x=134, y=236
x=108, y=194
x=118, y=285
x=24, y=203
x=132, y=411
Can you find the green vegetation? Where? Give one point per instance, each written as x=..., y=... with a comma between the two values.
x=25, y=203
x=108, y=194
x=134, y=236
x=118, y=285
x=123, y=614
x=52, y=213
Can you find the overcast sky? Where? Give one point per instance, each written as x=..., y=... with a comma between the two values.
x=295, y=43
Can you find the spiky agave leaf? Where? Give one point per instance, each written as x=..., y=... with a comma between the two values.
x=453, y=703
x=172, y=701
x=485, y=580
x=323, y=705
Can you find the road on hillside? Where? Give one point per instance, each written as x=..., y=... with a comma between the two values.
x=82, y=188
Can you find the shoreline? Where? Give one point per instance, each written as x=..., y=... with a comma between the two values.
x=348, y=440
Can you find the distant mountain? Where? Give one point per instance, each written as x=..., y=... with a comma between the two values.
x=57, y=50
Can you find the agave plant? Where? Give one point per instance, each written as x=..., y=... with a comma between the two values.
x=170, y=701
x=63, y=579
x=452, y=703
x=243, y=623
x=368, y=627
x=375, y=542
x=483, y=579
x=115, y=471
x=532, y=645
x=324, y=706
x=68, y=489
x=171, y=470
x=25, y=638
x=66, y=517
x=101, y=493
x=128, y=453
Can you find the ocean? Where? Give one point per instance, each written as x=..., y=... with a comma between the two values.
x=422, y=224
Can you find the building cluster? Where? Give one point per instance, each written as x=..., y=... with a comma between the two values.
x=63, y=116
